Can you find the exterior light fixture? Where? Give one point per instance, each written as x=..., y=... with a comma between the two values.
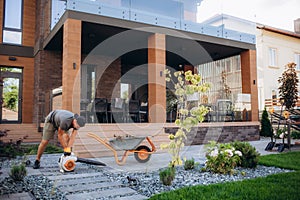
x=12, y=58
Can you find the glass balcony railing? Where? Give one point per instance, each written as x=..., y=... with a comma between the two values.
x=58, y=9
x=174, y=14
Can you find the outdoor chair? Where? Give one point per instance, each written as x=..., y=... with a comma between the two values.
x=224, y=110
x=117, y=110
x=134, y=110
x=101, y=105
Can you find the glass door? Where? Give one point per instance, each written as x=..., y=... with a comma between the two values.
x=10, y=95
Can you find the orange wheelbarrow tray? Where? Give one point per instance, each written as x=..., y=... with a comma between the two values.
x=130, y=144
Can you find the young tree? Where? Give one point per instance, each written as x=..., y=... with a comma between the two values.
x=189, y=116
x=288, y=89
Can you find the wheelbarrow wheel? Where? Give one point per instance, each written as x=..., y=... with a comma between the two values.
x=142, y=156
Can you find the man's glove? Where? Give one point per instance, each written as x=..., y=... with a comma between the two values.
x=67, y=151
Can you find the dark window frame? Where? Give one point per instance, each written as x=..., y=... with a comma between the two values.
x=17, y=30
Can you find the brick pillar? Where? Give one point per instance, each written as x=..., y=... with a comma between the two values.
x=45, y=62
x=71, y=65
x=249, y=80
x=156, y=78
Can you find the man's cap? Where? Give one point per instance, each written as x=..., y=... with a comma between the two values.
x=80, y=120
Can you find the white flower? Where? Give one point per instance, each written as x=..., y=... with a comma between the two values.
x=229, y=152
x=214, y=153
x=281, y=135
x=238, y=153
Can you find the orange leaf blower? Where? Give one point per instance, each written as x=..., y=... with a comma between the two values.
x=68, y=163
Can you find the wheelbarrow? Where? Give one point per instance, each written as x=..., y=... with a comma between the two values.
x=129, y=144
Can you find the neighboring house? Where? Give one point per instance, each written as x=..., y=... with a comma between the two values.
x=108, y=49
x=275, y=48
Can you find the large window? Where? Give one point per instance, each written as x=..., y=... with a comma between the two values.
x=297, y=61
x=272, y=57
x=124, y=91
x=12, y=26
x=225, y=94
x=224, y=77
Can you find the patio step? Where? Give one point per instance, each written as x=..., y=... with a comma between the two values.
x=19, y=131
x=86, y=146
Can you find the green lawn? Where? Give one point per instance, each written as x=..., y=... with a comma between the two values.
x=274, y=187
x=289, y=160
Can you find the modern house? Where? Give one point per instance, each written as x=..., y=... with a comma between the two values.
x=275, y=48
x=99, y=51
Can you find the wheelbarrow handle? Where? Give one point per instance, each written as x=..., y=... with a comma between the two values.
x=153, y=149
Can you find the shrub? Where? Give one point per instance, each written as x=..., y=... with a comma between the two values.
x=281, y=133
x=250, y=156
x=189, y=164
x=12, y=148
x=266, y=127
x=18, y=172
x=11, y=97
x=8, y=150
x=166, y=176
x=222, y=158
x=50, y=149
x=295, y=135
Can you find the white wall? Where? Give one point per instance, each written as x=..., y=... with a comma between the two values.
x=286, y=47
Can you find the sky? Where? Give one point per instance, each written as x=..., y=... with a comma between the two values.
x=276, y=13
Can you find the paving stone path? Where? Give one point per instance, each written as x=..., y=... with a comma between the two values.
x=85, y=182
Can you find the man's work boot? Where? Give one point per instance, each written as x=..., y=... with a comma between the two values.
x=36, y=164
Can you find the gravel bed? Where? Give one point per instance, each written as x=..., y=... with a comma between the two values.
x=149, y=184
x=146, y=184
x=38, y=186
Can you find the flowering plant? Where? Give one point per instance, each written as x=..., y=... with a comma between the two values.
x=280, y=133
x=222, y=158
x=188, y=116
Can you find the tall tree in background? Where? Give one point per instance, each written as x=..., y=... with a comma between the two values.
x=288, y=89
x=11, y=98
